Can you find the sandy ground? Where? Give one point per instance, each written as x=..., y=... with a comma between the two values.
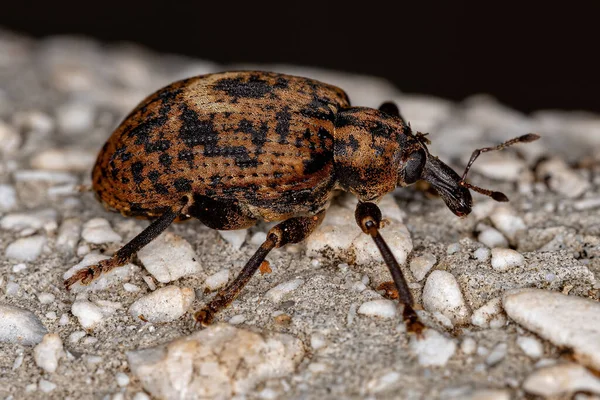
x=66, y=95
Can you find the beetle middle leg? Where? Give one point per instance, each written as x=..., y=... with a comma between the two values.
x=293, y=230
x=125, y=253
x=368, y=217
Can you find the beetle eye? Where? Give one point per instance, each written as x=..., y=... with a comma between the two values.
x=413, y=167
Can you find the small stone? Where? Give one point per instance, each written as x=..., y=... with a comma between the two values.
x=12, y=289
x=68, y=159
x=237, y=319
x=505, y=259
x=433, y=349
x=21, y=326
x=420, y=266
x=561, y=380
x=492, y=238
x=217, y=280
x=48, y=353
x=88, y=313
x=76, y=336
x=169, y=257
x=235, y=238
x=98, y=231
x=150, y=282
x=580, y=205
x=468, y=346
x=453, y=248
x=442, y=293
x=50, y=177
x=141, y=396
x=75, y=117
x=318, y=341
x=34, y=220
x=8, y=197
x=46, y=298
x=32, y=387
x=489, y=394
x=131, y=288
x=277, y=293
x=26, y=249
x=483, y=315
x=506, y=220
x=206, y=364
x=384, y=382
x=64, y=320
x=18, y=361
x=532, y=347
x=482, y=254
x=563, y=320
x=10, y=140
x=379, y=308
x=561, y=179
x=163, y=305
x=46, y=386
x=68, y=235
x=19, y=268
x=497, y=354
x=122, y=379
x=113, y=277
x=258, y=238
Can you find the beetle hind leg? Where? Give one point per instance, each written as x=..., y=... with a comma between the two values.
x=292, y=230
x=125, y=253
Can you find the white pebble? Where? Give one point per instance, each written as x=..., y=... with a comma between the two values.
x=163, y=305
x=8, y=197
x=482, y=254
x=88, y=313
x=217, y=280
x=258, y=238
x=46, y=298
x=379, y=308
x=351, y=314
x=98, y=231
x=492, y=238
x=64, y=320
x=420, y=266
x=33, y=220
x=141, y=396
x=130, y=287
x=68, y=235
x=75, y=117
x=453, y=248
x=433, y=349
x=18, y=360
x=19, y=268
x=277, y=293
x=93, y=360
x=468, y=345
x=122, y=379
x=561, y=178
x=442, y=293
x=234, y=238
x=52, y=177
x=46, y=386
x=26, y=249
x=532, y=347
x=32, y=387
x=205, y=364
x=564, y=320
x=48, y=353
x=69, y=159
x=383, y=382
x=10, y=139
x=505, y=259
x=51, y=315
x=581, y=205
x=12, y=289
x=397, y=238
x=318, y=341
x=169, y=257
x=497, y=354
x=106, y=280
x=90, y=340
x=76, y=336
x=150, y=282
x=561, y=380
x=506, y=220
x=484, y=314
x=18, y=325
x=237, y=319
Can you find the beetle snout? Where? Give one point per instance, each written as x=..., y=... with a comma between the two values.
x=446, y=183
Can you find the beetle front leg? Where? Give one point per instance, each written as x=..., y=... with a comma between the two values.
x=125, y=253
x=368, y=217
x=293, y=230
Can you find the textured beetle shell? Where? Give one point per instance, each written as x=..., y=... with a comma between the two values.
x=263, y=140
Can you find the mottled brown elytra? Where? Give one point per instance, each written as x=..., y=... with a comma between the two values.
x=233, y=148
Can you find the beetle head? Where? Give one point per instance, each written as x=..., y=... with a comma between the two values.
x=419, y=164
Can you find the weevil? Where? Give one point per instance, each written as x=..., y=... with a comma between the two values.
x=233, y=148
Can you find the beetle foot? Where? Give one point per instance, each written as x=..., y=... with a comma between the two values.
x=86, y=275
x=204, y=318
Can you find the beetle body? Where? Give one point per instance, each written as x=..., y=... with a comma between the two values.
x=254, y=144
x=232, y=148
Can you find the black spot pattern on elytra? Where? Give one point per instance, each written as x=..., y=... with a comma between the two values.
x=182, y=185
x=188, y=156
x=195, y=131
x=161, y=189
x=159, y=145
x=282, y=128
x=153, y=176
x=136, y=171
x=253, y=88
x=165, y=160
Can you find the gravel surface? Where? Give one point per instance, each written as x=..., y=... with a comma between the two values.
x=313, y=324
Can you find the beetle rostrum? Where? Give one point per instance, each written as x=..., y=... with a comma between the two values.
x=234, y=148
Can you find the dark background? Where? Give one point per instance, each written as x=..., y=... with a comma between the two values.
x=532, y=55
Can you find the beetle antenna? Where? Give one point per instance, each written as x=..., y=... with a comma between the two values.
x=498, y=196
